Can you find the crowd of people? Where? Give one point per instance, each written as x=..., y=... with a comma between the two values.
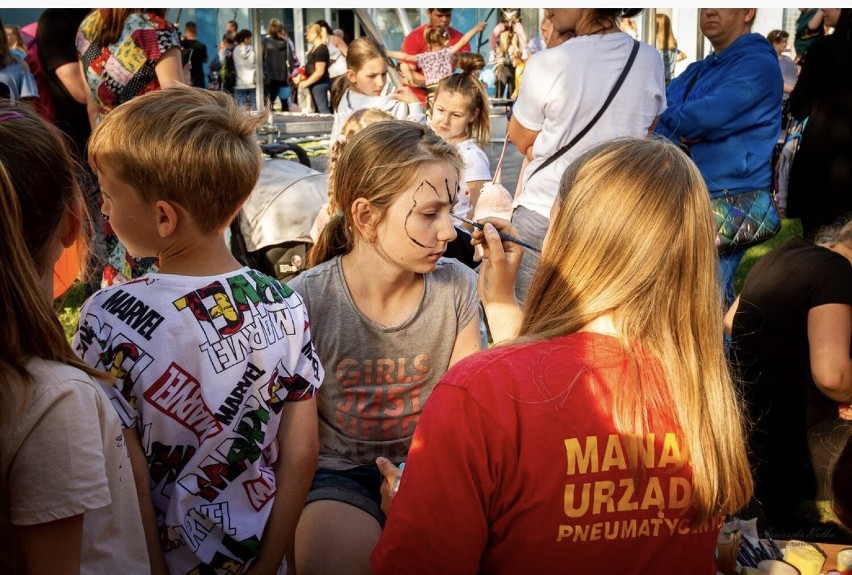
x=206, y=417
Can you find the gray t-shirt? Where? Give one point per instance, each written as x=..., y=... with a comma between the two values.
x=378, y=378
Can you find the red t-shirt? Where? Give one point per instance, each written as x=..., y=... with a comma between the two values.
x=516, y=467
x=415, y=44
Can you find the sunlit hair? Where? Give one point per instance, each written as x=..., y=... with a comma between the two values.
x=194, y=147
x=37, y=189
x=276, y=29
x=605, y=16
x=318, y=30
x=839, y=233
x=665, y=36
x=378, y=163
x=613, y=249
x=436, y=37
x=354, y=124
x=468, y=85
x=109, y=22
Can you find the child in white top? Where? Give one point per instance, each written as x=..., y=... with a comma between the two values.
x=69, y=501
x=366, y=77
x=460, y=115
x=438, y=62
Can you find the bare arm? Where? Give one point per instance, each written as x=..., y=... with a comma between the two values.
x=52, y=548
x=829, y=334
x=468, y=341
x=141, y=477
x=91, y=106
x=729, y=316
x=169, y=68
x=467, y=37
x=298, y=444
x=319, y=70
x=402, y=56
x=69, y=76
x=341, y=45
x=521, y=137
x=497, y=275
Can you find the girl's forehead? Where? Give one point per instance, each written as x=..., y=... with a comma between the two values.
x=435, y=181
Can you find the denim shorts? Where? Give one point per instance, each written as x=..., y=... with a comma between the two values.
x=359, y=487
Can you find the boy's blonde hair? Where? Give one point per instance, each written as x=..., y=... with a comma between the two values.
x=377, y=164
x=185, y=145
x=613, y=249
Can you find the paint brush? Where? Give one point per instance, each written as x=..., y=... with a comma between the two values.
x=506, y=237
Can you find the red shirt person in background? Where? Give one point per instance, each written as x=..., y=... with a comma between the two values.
x=415, y=43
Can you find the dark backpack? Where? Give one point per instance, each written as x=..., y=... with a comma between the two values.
x=44, y=103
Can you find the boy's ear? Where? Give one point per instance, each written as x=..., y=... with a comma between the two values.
x=167, y=218
x=364, y=215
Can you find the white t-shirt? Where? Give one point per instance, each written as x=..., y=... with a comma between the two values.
x=476, y=169
x=564, y=87
x=353, y=101
x=208, y=365
x=65, y=455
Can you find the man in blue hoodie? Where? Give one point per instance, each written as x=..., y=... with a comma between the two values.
x=725, y=108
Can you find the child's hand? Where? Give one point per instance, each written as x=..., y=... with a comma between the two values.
x=404, y=94
x=392, y=475
x=844, y=411
x=480, y=27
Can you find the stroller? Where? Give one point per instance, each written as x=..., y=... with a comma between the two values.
x=271, y=232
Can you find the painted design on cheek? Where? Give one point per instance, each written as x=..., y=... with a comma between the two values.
x=414, y=207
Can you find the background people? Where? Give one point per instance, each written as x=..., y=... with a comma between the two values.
x=563, y=90
x=245, y=63
x=198, y=57
x=125, y=53
x=667, y=46
x=620, y=351
x=780, y=40
x=316, y=70
x=279, y=61
x=732, y=148
x=15, y=75
x=415, y=43
x=791, y=329
x=821, y=175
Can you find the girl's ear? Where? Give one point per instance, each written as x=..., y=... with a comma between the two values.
x=350, y=75
x=70, y=226
x=167, y=218
x=475, y=115
x=364, y=216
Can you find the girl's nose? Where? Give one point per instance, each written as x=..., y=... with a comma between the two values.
x=447, y=232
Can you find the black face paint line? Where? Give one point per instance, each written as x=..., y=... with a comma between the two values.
x=414, y=207
x=453, y=197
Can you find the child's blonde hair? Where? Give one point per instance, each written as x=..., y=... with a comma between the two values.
x=436, y=36
x=468, y=85
x=354, y=124
x=194, y=147
x=611, y=249
x=379, y=162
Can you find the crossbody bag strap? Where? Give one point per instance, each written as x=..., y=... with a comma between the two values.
x=597, y=117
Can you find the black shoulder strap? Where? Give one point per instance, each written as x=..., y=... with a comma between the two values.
x=597, y=117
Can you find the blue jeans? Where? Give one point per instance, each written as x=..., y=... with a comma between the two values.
x=728, y=264
x=531, y=227
x=319, y=94
x=245, y=97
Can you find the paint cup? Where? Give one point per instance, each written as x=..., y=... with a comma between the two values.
x=844, y=561
x=775, y=567
x=807, y=558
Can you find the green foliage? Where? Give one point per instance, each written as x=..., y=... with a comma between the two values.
x=68, y=308
x=789, y=229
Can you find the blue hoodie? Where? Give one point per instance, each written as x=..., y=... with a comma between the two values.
x=734, y=109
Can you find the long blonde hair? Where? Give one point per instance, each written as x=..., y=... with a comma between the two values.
x=613, y=250
x=378, y=163
x=665, y=36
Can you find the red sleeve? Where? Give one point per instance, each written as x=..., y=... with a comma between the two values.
x=439, y=520
x=414, y=43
